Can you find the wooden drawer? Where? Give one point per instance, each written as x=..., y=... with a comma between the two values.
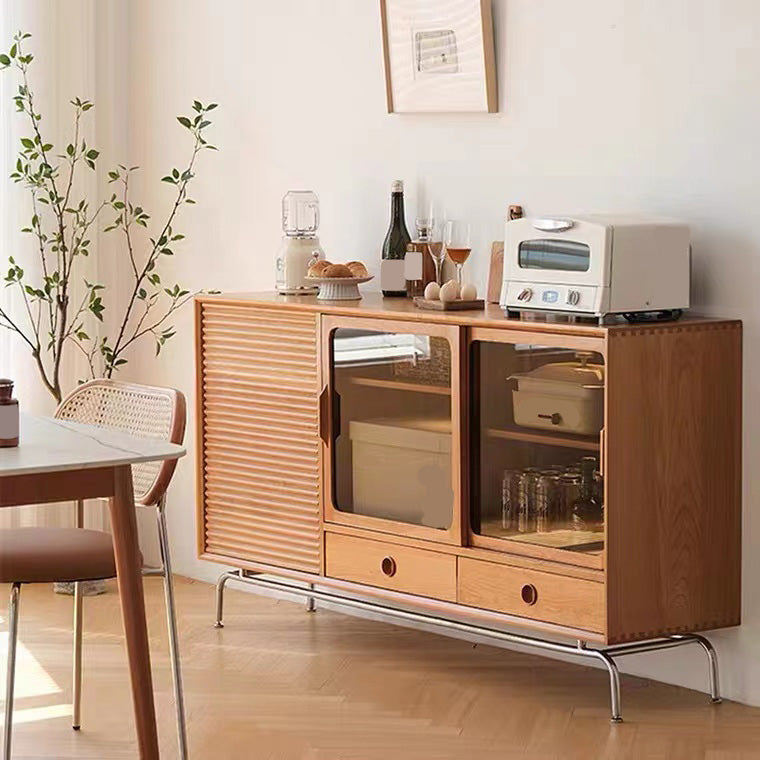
x=400, y=568
x=540, y=596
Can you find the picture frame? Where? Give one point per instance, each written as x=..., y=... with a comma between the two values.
x=439, y=56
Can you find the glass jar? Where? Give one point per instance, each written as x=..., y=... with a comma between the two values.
x=510, y=491
x=547, y=502
x=9, y=416
x=526, y=520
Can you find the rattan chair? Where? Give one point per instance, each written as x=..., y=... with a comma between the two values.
x=34, y=555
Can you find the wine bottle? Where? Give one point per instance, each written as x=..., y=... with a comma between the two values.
x=394, y=246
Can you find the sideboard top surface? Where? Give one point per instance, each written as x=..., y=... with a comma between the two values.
x=374, y=305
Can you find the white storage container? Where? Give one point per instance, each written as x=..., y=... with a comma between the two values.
x=402, y=470
x=563, y=396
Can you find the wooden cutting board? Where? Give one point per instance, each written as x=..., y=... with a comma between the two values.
x=495, y=272
x=423, y=303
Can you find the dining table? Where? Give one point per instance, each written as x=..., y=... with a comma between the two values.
x=62, y=461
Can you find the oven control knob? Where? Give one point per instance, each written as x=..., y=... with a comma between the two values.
x=525, y=295
x=573, y=297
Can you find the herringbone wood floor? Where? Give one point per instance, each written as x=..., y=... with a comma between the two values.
x=280, y=684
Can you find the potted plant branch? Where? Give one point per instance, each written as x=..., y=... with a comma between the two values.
x=53, y=320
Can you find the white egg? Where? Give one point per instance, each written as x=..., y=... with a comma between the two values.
x=432, y=291
x=469, y=292
x=450, y=291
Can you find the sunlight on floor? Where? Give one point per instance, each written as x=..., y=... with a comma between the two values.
x=37, y=714
x=32, y=680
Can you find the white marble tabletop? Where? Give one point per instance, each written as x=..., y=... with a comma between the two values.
x=49, y=445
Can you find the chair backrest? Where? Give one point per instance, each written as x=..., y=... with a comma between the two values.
x=141, y=410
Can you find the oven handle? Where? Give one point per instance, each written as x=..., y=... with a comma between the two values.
x=553, y=225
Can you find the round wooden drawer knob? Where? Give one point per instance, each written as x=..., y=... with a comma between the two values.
x=388, y=566
x=529, y=594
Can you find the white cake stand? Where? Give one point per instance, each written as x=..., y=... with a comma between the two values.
x=339, y=288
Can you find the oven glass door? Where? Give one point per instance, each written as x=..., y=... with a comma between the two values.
x=577, y=257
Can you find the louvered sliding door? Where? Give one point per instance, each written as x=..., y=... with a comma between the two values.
x=258, y=415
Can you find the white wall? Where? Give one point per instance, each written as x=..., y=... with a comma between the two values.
x=638, y=105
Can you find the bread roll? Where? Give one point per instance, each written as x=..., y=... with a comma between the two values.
x=357, y=269
x=337, y=270
x=317, y=269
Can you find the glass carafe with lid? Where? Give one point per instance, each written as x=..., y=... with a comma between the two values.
x=300, y=245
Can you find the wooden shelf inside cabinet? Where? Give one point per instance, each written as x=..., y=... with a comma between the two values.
x=397, y=385
x=586, y=443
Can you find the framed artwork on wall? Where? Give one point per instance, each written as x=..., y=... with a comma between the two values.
x=439, y=56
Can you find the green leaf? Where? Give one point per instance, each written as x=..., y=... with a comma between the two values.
x=4, y=60
x=27, y=143
x=70, y=149
x=212, y=106
x=184, y=121
x=14, y=49
x=92, y=154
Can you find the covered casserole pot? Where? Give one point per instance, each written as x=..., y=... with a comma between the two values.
x=562, y=396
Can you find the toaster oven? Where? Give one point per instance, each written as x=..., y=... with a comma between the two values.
x=597, y=265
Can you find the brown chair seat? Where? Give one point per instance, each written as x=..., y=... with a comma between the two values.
x=47, y=555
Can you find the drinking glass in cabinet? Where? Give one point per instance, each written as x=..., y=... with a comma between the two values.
x=536, y=422
x=391, y=449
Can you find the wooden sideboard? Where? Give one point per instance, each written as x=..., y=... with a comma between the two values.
x=290, y=422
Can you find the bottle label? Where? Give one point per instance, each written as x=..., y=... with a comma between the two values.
x=393, y=275
x=8, y=422
x=413, y=265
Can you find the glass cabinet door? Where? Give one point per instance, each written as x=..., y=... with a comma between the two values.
x=392, y=445
x=537, y=420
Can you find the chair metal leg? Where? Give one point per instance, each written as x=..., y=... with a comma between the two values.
x=311, y=602
x=171, y=620
x=13, y=606
x=76, y=718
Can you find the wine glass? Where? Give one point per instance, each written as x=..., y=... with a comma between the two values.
x=457, y=244
x=429, y=231
x=425, y=224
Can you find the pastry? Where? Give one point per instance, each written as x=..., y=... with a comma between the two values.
x=337, y=270
x=316, y=269
x=357, y=269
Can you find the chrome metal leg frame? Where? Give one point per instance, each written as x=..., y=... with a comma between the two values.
x=76, y=717
x=171, y=622
x=10, y=683
x=233, y=575
x=606, y=655
x=243, y=576
x=677, y=640
x=311, y=602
